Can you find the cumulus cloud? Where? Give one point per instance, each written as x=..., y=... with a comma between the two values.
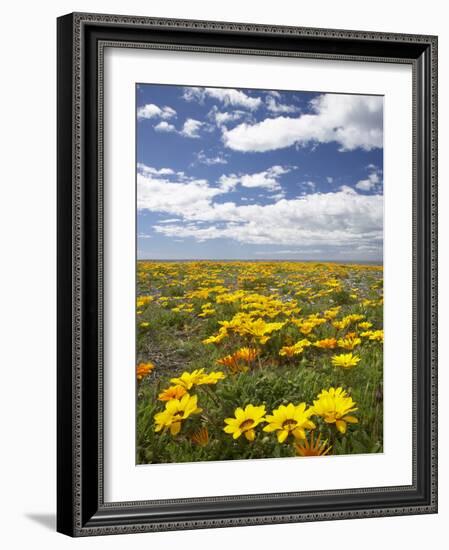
x=333, y=219
x=227, y=96
x=268, y=179
x=153, y=111
x=339, y=219
x=352, y=121
x=143, y=168
x=372, y=182
x=275, y=107
x=221, y=118
x=164, y=126
x=174, y=196
x=189, y=129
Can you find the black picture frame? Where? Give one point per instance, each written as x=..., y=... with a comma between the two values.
x=81, y=510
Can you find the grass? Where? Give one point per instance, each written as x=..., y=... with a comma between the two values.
x=180, y=305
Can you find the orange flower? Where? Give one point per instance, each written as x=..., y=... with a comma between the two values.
x=229, y=361
x=326, y=343
x=239, y=361
x=200, y=437
x=246, y=354
x=312, y=448
x=173, y=392
x=144, y=369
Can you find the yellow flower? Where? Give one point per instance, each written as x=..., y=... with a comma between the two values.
x=334, y=406
x=289, y=419
x=243, y=324
x=245, y=421
x=188, y=379
x=374, y=335
x=211, y=378
x=259, y=329
x=222, y=333
x=312, y=448
x=354, y=317
x=198, y=377
x=176, y=410
x=144, y=324
x=345, y=360
x=200, y=437
x=349, y=342
x=206, y=312
x=173, y=392
x=306, y=327
x=326, y=343
x=340, y=325
x=143, y=301
x=144, y=369
x=365, y=325
x=332, y=313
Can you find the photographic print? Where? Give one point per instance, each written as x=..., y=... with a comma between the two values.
x=259, y=274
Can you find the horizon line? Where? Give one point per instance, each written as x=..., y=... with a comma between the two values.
x=318, y=260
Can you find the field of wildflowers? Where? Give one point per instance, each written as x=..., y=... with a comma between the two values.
x=243, y=360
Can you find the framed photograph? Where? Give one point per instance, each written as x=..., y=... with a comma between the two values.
x=247, y=274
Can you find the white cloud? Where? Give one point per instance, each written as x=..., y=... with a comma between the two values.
x=310, y=184
x=274, y=107
x=277, y=196
x=296, y=251
x=221, y=118
x=330, y=179
x=373, y=181
x=227, y=96
x=343, y=220
x=268, y=179
x=153, y=111
x=353, y=121
x=338, y=219
x=164, y=126
x=173, y=195
x=191, y=127
x=202, y=158
x=150, y=170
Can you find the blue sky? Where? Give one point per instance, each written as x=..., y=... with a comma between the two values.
x=254, y=174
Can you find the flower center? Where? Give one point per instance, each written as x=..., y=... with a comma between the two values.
x=289, y=424
x=246, y=424
x=179, y=414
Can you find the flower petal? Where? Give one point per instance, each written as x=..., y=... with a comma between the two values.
x=175, y=428
x=282, y=435
x=250, y=435
x=341, y=426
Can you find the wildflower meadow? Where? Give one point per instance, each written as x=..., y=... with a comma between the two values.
x=258, y=359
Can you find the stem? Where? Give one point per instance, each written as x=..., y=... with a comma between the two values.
x=332, y=438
